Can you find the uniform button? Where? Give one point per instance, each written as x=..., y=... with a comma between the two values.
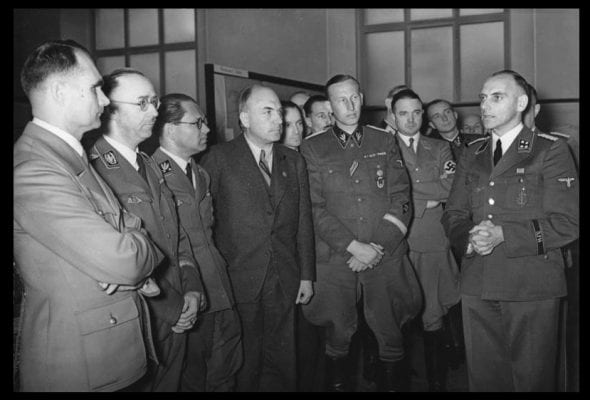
x=492, y=183
x=352, y=145
x=112, y=320
x=356, y=181
x=361, y=219
x=546, y=256
x=490, y=216
x=162, y=217
x=491, y=202
x=417, y=169
x=100, y=213
x=330, y=171
x=359, y=199
x=417, y=180
x=168, y=235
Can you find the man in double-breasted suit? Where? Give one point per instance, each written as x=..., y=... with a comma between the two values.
x=513, y=204
x=431, y=168
x=263, y=228
x=140, y=187
x=214, y=351
x=80, y=255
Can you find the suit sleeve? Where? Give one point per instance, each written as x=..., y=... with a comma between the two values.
x=305, y=236
x=560, y=222
x=327, y=226
x=392, y=227
x=50, y=207
x=456, y=219
x=189, y=268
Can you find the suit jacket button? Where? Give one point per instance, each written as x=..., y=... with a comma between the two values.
x=112, y=320
x=491, y=202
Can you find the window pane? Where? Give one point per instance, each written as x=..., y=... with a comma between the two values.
x=477, y=11
x=432, y=63
x=384, y=65
x=149, y=64
x=143, y=26
x=482, y=53
x=430, y=13
x=383, y=15
x=106, y=65
x=110, y=33
x=179, y=25
x=181, y=73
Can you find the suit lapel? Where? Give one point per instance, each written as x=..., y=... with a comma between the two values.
x=516, y=152
x=247, y=167
x=279, y=175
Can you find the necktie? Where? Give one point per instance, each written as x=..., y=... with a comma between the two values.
x=412, y=145
x=141, y=168
x=498, y=152
x=189, y=172
x=264, y=167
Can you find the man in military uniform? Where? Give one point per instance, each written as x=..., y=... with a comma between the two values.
x=513, y=204
x=360, y=197
x=443, y=120
x=471, y=124
x=431, y=167
x=214, y=351
x=140, y=187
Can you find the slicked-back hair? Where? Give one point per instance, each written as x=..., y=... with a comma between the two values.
x=340, y=78
x=171, y=110
x=316, y=98
x=436, y=101
x=396, y=89
x=404, y=94
x=50, y=57
x=520, y=81
x=110, y=82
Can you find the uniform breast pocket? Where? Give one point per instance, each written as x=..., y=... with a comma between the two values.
x=522, y=191
x=334, y=177
x=377, y=174
x=137, y=199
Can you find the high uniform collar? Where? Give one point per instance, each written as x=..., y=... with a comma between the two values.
x=182, y=163
x=343, y=137
x=129, y=154
x=63, y=135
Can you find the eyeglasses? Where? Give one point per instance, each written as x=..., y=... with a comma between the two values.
x=143, y=103
x=198, y=123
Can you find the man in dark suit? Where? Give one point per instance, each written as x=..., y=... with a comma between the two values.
x=512, y=206
x=140, y=186
x=264, y=230
x=80, y=255
x=214, y=351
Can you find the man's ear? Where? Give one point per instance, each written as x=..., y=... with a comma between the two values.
x=537, y=109
x=245, y=119
x=308, y=122
x=388, y=104
x=57, y=90
x=521, y=102
x=456, y=116
x=430, y=124
x=362, y=99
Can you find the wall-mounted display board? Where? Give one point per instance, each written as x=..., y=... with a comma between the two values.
x=223, y=86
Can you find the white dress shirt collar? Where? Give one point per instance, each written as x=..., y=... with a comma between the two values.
x=256, y=152
x=63, y=135
x=130, y=155
x=506, y=138
x=406, y=140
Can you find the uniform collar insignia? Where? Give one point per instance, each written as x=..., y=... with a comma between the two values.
x=110, y=159
x=344, y=137
x=165, y=167
x=525, y=141
x=482, y=147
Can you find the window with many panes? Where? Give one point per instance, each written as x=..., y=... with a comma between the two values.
x=159, y=42
x=439, y=53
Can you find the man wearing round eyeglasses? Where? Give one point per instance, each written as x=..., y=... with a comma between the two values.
x=214, y=351
x=140, y=187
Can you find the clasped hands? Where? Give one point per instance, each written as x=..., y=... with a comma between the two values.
x=483, y=238
x=193, y=303
x=364, y=255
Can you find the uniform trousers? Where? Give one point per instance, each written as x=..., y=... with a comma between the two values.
x=214, y=353
x=391, y=296
x=268, y=329
x=510, y=345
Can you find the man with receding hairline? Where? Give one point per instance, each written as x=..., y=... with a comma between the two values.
x=513, y=205
x=264, y=230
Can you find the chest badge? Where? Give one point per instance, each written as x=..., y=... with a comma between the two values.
x=522, y=197
x=353, y=167
x=524, y=145
x=380, y=179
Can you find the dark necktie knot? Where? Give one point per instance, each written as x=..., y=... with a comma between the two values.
x=498, y=151
x=189, y=172
x=264, y=166
x=411, y=146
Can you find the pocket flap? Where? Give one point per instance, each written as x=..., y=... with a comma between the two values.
x=108, y=316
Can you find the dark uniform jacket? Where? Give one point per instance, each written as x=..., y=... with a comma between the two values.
x=431, y=171
x=257, y=225
x=358, y=184
x=533, y=194
x=70, y=233
x=154, y=204
x=195, y=212
x=459, y=143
